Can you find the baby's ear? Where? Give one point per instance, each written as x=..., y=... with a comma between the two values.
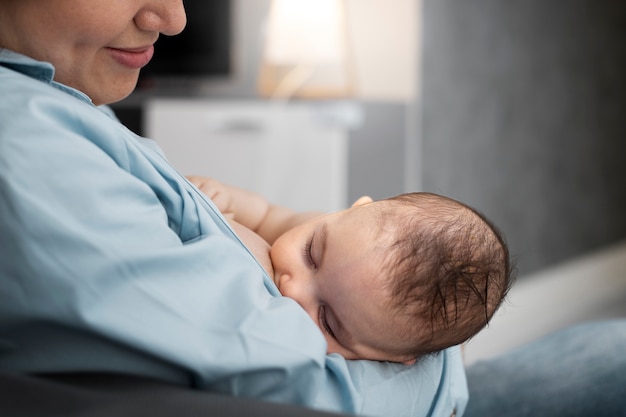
x=362, y=200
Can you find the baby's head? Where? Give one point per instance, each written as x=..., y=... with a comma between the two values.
x=449, y=269
x=395, y=279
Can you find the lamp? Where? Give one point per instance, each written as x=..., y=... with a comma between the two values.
x=306, y=51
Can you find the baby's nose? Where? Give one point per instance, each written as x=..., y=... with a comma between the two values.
x=299, y=289
x=279, y=279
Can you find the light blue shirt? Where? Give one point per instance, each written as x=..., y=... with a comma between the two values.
x=112, y=261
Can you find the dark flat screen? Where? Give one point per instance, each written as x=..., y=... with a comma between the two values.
x=202, y=49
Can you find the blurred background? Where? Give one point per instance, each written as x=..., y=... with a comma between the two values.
x=516, y=107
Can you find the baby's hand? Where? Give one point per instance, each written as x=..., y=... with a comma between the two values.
x=217, y=192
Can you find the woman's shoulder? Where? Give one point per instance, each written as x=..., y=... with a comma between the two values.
x=30, y=100
x=25, y=82
x=28, y=93
x=24, y=65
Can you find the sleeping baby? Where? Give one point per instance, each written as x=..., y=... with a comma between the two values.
x=389, y=280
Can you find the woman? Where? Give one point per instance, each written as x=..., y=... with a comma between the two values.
x=113, y=262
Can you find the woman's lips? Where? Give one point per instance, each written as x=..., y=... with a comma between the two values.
x=133, y=58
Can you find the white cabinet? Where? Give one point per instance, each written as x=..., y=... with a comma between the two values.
x=283, y=151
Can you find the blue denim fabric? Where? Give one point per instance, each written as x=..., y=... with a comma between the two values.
x=576, y=372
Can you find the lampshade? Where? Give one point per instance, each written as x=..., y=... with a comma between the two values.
x=306, y=50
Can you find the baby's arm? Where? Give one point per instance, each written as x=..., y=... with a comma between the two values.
x=251, y=209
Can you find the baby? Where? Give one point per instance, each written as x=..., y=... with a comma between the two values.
x=390, y=280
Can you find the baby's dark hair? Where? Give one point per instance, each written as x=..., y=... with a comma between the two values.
x=450, y=270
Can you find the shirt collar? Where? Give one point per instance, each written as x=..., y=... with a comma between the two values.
x=39, y=70
x=43, y=71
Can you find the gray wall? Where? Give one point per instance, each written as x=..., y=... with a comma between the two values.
x=524, y=117
x=376, y=152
